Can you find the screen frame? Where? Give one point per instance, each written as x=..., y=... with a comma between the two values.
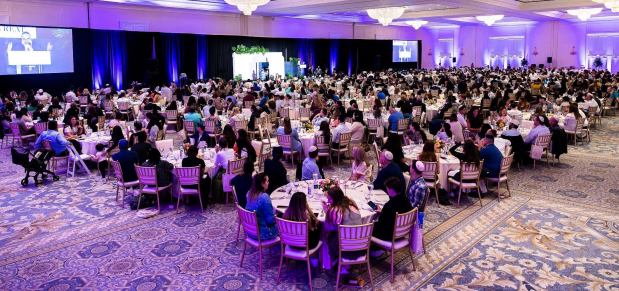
x=73, y=50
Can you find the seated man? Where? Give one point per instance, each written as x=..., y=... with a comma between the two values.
x=389, y=169
x=394, y=117
x=310, y=167
x=56, y=140
x=492, y=157
x=127, y=160
x=539, y=128
x=141, y=148
x=398, y=203
x=340, y=127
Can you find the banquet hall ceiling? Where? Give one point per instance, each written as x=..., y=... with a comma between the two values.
x=437, y=12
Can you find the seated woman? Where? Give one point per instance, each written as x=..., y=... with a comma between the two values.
x=575, y=114
x=360, y=167
x=299, y=210
x=340, y=210
x=415, y=134
x=163, y=168
x=428, y=153
x=243, y=147
x=117, y=135
x=456, y=128
x=475, y=120
x=287, y=129
x=260, y=202
x=444, y=133
x=469, y=154
x=72, y=131
x=229, y=135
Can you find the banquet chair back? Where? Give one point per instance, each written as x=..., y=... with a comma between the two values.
x=185, y=100
x=324, y=148
x=249, y=221
x=295, y=244
x=434, y=93
x=108, y=107
x=377, y=154
x=235, y=167
x=209, y=126
x=171, y=118
x=542, y=141
x=53, y=164
x=147, y=176
x=469, y=178
x=188, y=176
x=40, y=127
x=344, y=144
x=121, y=183
x=285, y=141
x=84, y=100
x=402, y=126
x=305, y=114
x=430, y=175
x=240, y=124
x=189, y=127
x=17, y=136
x=401, y=239
x=284, y=112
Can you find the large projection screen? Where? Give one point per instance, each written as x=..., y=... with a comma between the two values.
x=35, y=50
x=405, y=51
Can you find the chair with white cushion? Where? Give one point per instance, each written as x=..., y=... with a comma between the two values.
x=285, y=141
x=469, y=179
x=354, y=238
x=430, y=175
x=188, y=176
x=506, y=164
x=401, y=236
x=249, y=220
x=121, y=183
x=149, y=184
x=295, y=244
x=542, y=141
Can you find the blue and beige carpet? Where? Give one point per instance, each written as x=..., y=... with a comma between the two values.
x=558, y=231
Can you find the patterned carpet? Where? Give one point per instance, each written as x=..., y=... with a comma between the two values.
x=560, y=230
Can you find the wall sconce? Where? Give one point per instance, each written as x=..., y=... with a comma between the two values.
x=429, y=52
x=573, y=51
x=535, y=53
x=461, y=51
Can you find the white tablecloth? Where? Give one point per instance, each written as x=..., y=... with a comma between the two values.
x=357, y=191
x=89, y=143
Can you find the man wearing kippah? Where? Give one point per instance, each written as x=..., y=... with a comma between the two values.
x=389, y=169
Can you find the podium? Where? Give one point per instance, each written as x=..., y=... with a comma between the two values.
x=29, y=58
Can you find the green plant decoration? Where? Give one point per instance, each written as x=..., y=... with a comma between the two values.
x=242, y=49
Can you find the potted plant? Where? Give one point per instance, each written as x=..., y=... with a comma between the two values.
x=597, y=63
x=524, y=62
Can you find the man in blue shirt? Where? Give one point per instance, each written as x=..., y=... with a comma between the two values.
x=56, y=140
x=263, y=100
x=492, y=160
x=310, y=167
x=394, y=117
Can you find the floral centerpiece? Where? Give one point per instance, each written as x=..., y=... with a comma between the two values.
x=308, y=126
x=438, y=145
x=327, y=184
x=500, y=124
x=186, y=147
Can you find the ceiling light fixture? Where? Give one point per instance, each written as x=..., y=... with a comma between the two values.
x=247, y=6
x=489, y=19
x=585, y=13
x=416, y=23
x=613, y=5
x=386, y=15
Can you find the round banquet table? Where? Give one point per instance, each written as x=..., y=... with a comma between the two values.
x=447, y=163
x=357, y=191
x=175, y=157
x=90, y=142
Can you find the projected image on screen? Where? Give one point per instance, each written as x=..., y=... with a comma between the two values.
x=35, y=50
x=405, y=51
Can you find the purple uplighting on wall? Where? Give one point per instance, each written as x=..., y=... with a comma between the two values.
x=333, y=55
x=202, y=56
x=172, y=55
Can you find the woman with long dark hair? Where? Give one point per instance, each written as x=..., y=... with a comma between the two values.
x=394, y=145
x=287, y=129
x=339, y=210
x=117, y=135
x=243, y=147
x=228, y=134
x=260, y=202
x=299, y=210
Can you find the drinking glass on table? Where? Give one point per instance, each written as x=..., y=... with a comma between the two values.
x=368, y=196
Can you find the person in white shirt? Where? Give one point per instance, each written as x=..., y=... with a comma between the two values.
x=357, y=128
x=461, y=117
x=539, y=128
x=320, y=117
x=340, y=127
x=42, y=96
x=166, y=93
x=360, y=167
x=224, y=154
x=590, y=103
x=514, y=113
x=70, y=97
